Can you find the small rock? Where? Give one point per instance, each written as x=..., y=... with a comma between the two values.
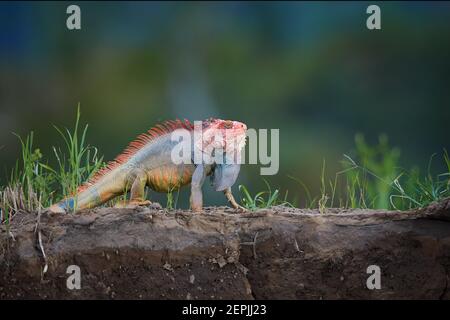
x=221, y=261
x=155, y=206
x=167, y=266
x=192, y=278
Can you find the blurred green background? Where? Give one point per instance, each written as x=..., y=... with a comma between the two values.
x=311, y=69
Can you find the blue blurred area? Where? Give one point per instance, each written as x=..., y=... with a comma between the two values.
x=311, y=69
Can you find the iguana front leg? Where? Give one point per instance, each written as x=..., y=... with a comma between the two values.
x=198, y=178
x=231, y=200
x=224, y=177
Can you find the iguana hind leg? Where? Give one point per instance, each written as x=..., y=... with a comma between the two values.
x=137, y=193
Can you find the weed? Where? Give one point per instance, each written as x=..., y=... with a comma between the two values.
x=310, y=202
x=258, y=201
x=81, y=162
x=373, y=179
x=381, y=184
x=34, y=184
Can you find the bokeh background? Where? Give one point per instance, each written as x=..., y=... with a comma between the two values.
x=311, y=69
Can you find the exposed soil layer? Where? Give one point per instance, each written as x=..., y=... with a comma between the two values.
x=281, y=253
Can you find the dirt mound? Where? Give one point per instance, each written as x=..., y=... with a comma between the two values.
x=281, y=253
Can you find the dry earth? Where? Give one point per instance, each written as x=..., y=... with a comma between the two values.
x=281, y=253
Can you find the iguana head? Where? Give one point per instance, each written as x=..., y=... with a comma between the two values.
x=227, y=135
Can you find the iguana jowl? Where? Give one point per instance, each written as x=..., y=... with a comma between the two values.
x=147, y=161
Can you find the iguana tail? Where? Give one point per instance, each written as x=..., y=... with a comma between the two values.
x=86, y=199
x=110, y=186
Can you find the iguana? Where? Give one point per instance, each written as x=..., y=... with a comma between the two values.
x=148, y=161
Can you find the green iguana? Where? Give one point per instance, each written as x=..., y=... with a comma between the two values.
x=149, y=161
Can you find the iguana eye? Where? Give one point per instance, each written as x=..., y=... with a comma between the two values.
x=228, y=124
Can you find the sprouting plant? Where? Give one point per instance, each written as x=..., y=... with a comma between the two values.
x=259, y=201
x=29, y=179
x=406, y=190
x=309, y=201
x=171, y=202
x=33, y=183
x=4, y=210
x=382, y=162
x=373, y=179
x=78, y=162
x=170, y=199
x=414, y=191
x=323, y=194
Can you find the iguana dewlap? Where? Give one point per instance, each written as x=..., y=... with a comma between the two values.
x=148, y=161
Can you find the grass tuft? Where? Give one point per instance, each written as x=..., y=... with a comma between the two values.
x=34, y=184
x=263, y=199
x=77, y=162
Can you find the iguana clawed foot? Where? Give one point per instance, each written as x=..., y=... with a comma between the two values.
x=55, y=209
x=197, y=201
x=238, y=208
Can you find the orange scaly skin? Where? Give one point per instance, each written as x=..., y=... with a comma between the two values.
x=147, y=162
